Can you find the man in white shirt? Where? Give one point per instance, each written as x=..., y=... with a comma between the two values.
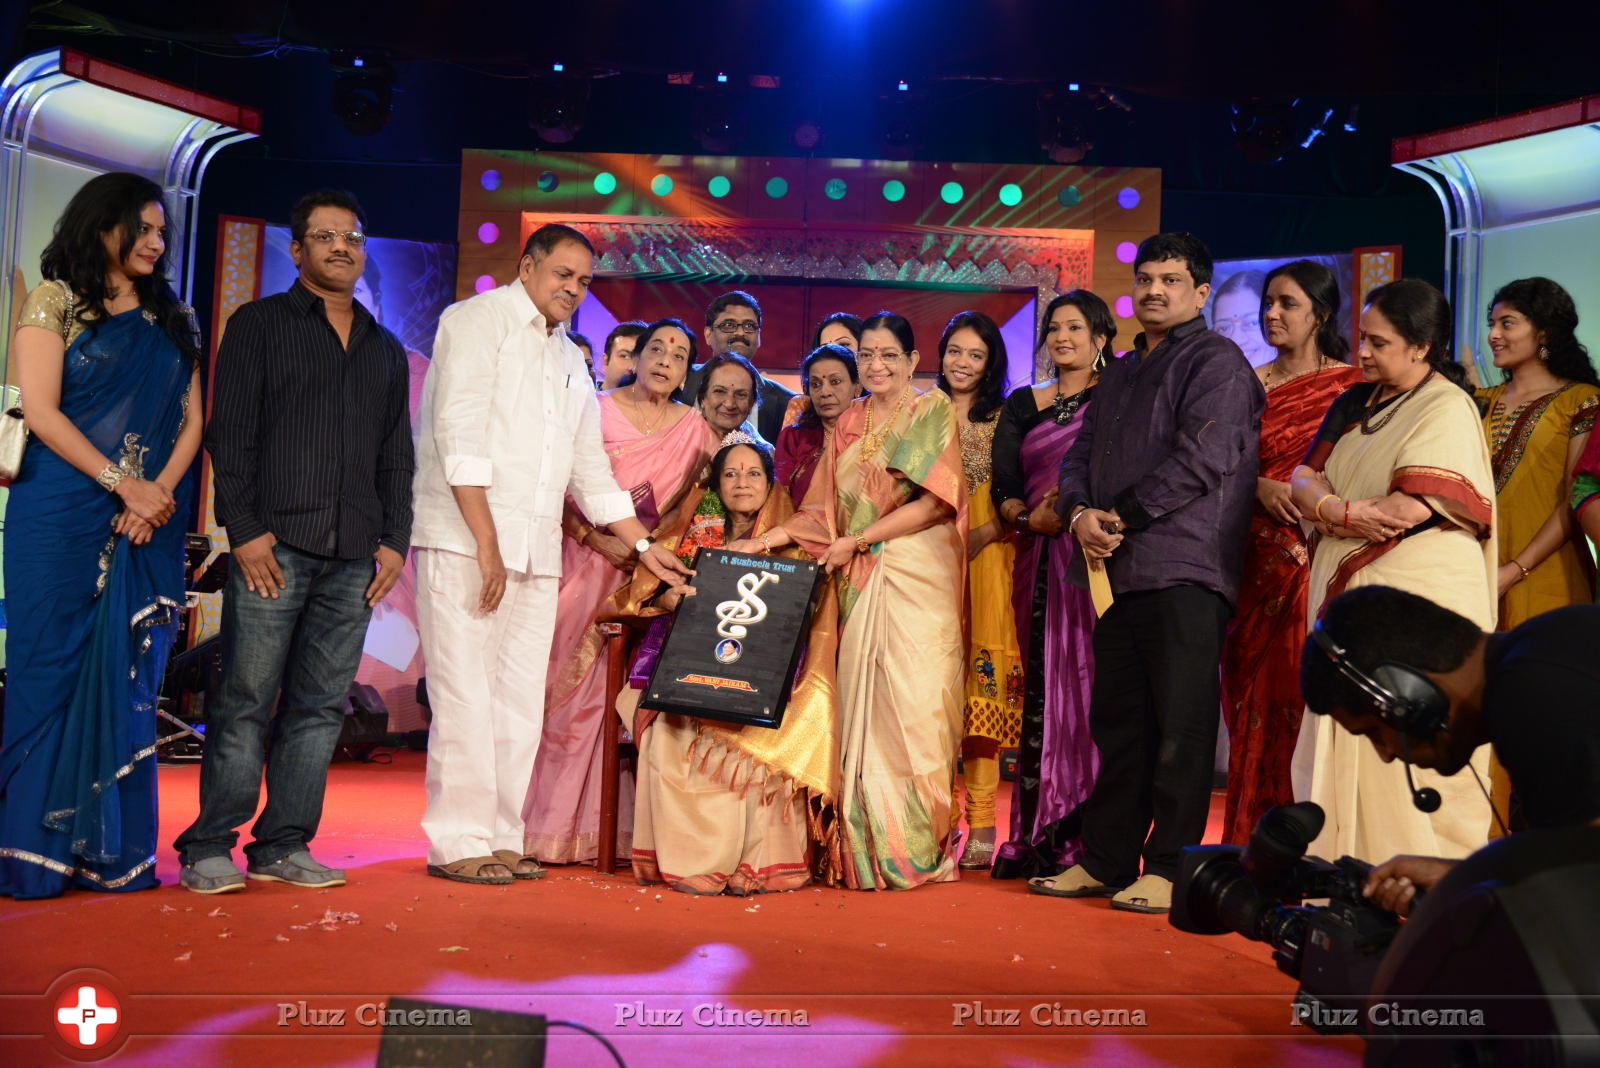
x=509, y=425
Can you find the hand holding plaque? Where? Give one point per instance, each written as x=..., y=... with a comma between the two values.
x=736, y=638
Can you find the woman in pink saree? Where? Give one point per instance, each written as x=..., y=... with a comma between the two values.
x=658, y=446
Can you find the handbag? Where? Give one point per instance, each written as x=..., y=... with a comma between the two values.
x=13, y=434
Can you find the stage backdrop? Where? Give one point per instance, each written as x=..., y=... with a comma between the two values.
x=406, y=285
x=1005, y=238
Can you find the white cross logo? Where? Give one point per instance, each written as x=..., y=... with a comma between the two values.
x=88, y=1016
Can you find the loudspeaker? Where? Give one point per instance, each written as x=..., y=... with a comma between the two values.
x=427, y=1034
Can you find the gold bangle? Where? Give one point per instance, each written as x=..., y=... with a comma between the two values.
x=582, y=532
x=1525, y=571
x=862, y=545
x=1317, y=511
x=765, y=544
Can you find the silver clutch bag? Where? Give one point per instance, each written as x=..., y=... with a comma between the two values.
x=13, y=434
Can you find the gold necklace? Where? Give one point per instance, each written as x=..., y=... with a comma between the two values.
x=870, y=442
x=1266, y=379
x=662, y=414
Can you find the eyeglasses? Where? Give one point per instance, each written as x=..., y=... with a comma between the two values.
x=736, y=326
x=885, y=357
x=353, y=238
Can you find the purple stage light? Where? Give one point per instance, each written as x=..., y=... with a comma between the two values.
x=490, y=180
x=486, y=282
x=1128, y=198
x=1126, y=251
x=488, y=233
x=1125, y=307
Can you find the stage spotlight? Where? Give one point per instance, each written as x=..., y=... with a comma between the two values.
x=1065, y=118
x=557, y=108
x=363, y=91
x=807, y=135
x=718, y=125
x=1265, y=129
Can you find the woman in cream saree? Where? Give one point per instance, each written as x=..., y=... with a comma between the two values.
x=1425, y=442
x=722, y=807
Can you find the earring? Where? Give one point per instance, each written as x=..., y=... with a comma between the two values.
x=1544, y=354
x=1099, y=360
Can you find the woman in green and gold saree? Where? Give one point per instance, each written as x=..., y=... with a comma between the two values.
x=886, y=513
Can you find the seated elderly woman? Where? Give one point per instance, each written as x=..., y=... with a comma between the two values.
x=722, y=807
x=730, y=395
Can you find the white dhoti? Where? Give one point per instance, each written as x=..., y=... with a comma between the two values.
x=485, y=677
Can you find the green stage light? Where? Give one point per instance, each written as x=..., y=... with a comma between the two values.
x=835, y=189
x=661, y=185
x=777, y=188
x=1069, y=196
x=1011, y=194
x=719, y=186
x=951, y=192
x=894, y=190
x=605, y=183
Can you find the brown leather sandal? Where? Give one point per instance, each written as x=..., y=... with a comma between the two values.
x=520, y=866
x=472, y=870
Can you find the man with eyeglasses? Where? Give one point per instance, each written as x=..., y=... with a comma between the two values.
x=310, y=441
x=733, y=324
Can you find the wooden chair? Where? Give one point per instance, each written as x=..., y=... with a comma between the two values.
x=611, y=745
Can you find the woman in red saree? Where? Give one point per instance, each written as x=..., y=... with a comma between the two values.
x=1261, y=658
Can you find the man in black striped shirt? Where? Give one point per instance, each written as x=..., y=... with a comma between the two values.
x=310, y=441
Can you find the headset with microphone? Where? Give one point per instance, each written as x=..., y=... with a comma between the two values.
x=1403, y=698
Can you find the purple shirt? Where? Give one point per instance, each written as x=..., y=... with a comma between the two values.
x=1171, y=444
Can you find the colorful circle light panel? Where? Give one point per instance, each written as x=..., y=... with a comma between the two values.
x=835, y=189
x=719, y=186
x=1128, y=198
x=549, y=181
x=1069, y=197
x=1126, y=251
x=483, y=284
x=490, y=180
x=1125, y=307
x=777, y=188
x=951, y=192
x=894, y=190
x=1011, y=194
x=661, y=185
x=488, y=233
x=605, y=183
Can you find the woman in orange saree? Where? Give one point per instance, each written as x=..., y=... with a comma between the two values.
x=1261, y=658
x=657, y=446
x=887, y=514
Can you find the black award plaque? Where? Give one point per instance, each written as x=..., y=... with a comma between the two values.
x=732, y=649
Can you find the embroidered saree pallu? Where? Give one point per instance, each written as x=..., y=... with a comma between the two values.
x=732, y=649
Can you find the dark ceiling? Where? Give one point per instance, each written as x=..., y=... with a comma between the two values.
x=466, y=74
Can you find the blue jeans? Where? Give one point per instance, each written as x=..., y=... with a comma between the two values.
x=308, y=642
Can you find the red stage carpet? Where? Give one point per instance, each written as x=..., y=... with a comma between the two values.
x=974, y=972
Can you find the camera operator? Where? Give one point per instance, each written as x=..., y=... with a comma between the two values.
x=1426, y=685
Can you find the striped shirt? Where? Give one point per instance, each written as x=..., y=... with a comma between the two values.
x=310, y=439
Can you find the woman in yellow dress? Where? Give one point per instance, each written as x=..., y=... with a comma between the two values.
x=887, y=515
x=1537, y=421
x=972, y=370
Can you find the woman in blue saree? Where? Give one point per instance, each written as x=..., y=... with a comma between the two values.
x=108, y=367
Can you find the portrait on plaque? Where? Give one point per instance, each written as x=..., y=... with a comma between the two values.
x=733, y=647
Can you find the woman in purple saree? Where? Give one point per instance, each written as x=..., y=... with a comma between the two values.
x=1055, y=619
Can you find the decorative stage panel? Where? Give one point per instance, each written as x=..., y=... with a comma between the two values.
x=961, y=226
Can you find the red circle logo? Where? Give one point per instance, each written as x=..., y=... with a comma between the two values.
x=87, y=1015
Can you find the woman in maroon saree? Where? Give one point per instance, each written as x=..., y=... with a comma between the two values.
x=1261, y=658
x=1057, y=760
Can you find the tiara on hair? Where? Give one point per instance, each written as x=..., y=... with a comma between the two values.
x=739, y=437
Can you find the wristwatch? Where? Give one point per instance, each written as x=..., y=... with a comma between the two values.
x=642, y=546
x=1020, y=520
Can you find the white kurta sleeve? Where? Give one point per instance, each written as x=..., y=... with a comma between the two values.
x=464, y=358
x=592, y=484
